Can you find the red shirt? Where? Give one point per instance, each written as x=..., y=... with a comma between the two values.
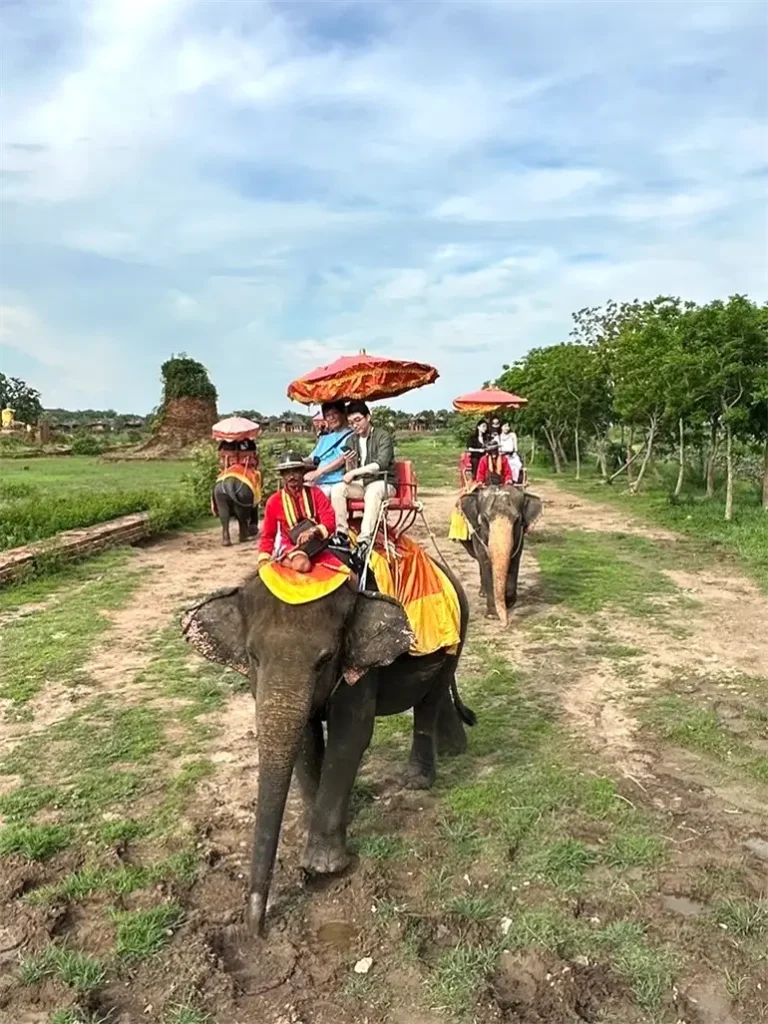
x=494, y=464
x=282, y=512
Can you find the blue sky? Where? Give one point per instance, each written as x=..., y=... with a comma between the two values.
x=269, y=185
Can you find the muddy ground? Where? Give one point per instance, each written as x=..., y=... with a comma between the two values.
x=653, y=700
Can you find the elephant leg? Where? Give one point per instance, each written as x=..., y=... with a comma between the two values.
x=309, y=761
x=351, y=716
x=451, y=736
x=224, y=515
x=243, y=514
x=421, y=764
x=253, y=525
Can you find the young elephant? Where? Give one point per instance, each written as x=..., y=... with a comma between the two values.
x=499, y=517
x=340, y=660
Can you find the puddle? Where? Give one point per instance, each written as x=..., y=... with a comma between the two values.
x=340, y=934
x=682, y=905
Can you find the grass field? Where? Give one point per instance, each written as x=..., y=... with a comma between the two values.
x=692, y=514
x=43, y=496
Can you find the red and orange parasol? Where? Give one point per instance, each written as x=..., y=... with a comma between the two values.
x=362, y=377
x=235, y=428
x=488, y=400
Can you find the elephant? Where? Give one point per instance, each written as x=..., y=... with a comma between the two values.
x=338, y=661
x=500, y=517
x=233, y=497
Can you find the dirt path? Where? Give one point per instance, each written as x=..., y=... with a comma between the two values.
x=596, y=671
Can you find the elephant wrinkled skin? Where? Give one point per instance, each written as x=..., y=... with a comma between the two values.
x=234, y=499
x=500, y=518
x=301, y=661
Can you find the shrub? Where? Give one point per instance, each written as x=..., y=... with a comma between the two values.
x=87, y=444
x=186, y=378
x=202, y=476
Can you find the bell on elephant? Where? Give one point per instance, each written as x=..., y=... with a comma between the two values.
x=499, y=518
x=320, y=673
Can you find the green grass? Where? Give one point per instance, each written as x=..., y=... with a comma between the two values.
x=53, y=644
x=458, y=975
x=186, y=1013
x=745, y=538
x=140, y=934
x=591, y=571
x=42, y=497
x=746, y=918
x=78, y=970
x=435, y=458
x=119, y=881
x=683, y=722
x=35, y=842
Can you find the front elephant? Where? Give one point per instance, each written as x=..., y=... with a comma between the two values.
x=341, y=660
x=500, y=518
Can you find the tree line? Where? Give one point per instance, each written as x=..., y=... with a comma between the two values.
x=638, y=377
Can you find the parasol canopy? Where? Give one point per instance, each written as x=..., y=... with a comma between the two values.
x=361, y=377
x=488, y=399
x=235, y=428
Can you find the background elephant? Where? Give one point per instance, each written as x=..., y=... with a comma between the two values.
x=234, y=498
x=338, y=661
x=499, y=517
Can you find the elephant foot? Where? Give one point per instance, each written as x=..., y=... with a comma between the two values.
x=419, y=778
x=226, y=543
x=325, y=855
x=491, y=613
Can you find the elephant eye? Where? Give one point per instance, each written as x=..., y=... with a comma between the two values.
x=324, y=658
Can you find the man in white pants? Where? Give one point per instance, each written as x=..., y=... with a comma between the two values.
x=371, y=458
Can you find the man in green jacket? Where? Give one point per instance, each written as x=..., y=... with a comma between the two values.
x=371, y=455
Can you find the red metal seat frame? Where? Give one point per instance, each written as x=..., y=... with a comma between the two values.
x=403, y=503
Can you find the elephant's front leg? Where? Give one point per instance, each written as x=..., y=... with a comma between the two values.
x=351, y=715
x=243, y=522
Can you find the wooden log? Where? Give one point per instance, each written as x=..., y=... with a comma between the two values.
x=73, y=544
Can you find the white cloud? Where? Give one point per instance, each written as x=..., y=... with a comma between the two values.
x=270, y=187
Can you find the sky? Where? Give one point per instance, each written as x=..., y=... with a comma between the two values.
x=266, y=186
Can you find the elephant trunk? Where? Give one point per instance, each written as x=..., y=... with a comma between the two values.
x=281, y=714
x=500, y=553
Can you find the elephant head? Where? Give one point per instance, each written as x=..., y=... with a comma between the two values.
x=499, y=517
x=294, y=656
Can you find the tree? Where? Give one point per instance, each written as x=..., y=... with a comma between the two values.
x=642, y=355
x=16, y=394
x=730, y=343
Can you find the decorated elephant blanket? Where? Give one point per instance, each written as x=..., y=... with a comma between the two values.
x=326, y=575
x=431, y=603
x=245, y=475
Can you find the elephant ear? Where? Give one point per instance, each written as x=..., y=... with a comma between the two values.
x=377, y=633
x=470, y=507
x=216, y=629
x=532, y=508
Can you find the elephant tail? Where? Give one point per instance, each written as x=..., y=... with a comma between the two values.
x=467, y=715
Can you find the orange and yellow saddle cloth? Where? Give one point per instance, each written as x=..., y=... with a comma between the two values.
x=246, y=475
x=407, y=573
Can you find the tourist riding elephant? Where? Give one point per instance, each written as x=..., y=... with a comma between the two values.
x=340, y=660
x=500, y=518
x=233, y=497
